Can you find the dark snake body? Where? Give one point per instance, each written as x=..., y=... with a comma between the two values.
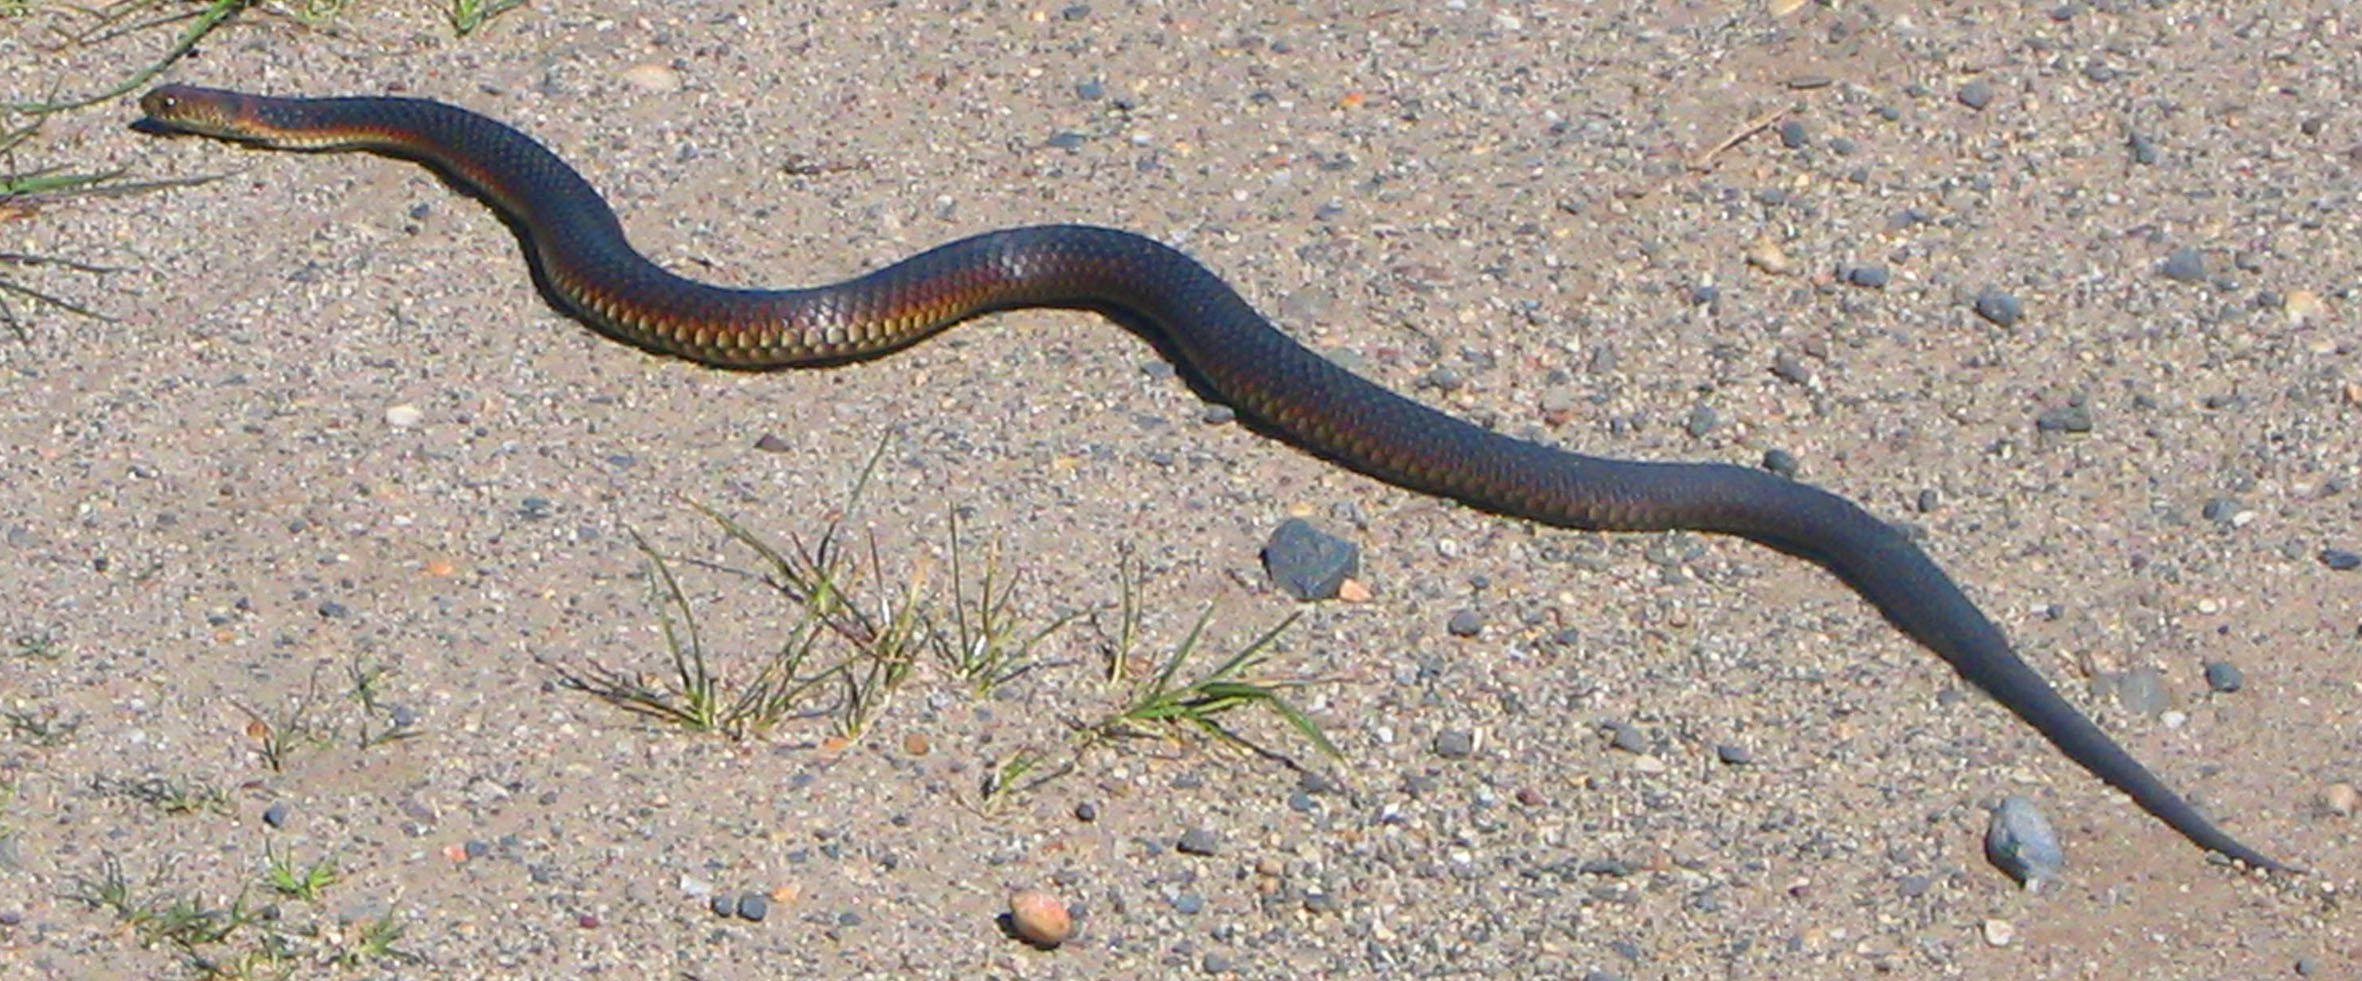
x=1232, y=352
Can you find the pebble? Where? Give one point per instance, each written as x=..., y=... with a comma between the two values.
x=1999, y=932
x=1976, y=95
x=1787, y=367
x=2341, y=799
x=2185, y=265
x=1781, y=462
x=1793, y=135
x=722, y=905
x=1189, y=903
x=1766, y=255
x=1867, y=277
x=753, y=906
x=2064, y=419
x=2341, y=559
x=2144, y=150
x=2019, y=841
x=2303, y=306
x=2224, y=677
x=1308, y=563
x=1040, y=918
x=1734, y=754
x=1086, y=812
x=275, y=815
x=403, y=416
x=1464, y=623
x=652, y=78
x=1198, y=841
x=2143, y=690
x=2000, y=308
x=1702, y=420
x=1455, y=744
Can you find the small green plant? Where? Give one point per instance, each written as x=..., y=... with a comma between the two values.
x=287, y=878
x=110, y=22
x=292, y=730
x=1231, y=684
x=467, y=15
x=168, y=795
x=43, y=727
x=38, y=645
x=109, y=890
x=984, y=645
x=365, y=680
x=1013, y=776
x=374, y=943
x=879, y=645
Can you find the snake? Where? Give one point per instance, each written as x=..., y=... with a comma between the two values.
x=1221, y=345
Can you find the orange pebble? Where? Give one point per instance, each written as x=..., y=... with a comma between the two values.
x=1040, y=918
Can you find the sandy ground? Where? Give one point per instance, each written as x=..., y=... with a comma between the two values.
x=210, y=521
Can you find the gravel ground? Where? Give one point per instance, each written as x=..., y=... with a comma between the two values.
x=2069, y=287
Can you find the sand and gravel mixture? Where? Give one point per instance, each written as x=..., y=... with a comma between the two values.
x=301, y=544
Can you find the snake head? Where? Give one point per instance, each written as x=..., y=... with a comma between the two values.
x=205, y=112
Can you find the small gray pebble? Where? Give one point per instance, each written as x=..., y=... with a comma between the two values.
x=1793, y=135
x=2143, y=690
x=1216, y=962
x=2064, y=419
x=2019, y=841
x=1464, y=623
x=2185, y=265
x=275, y=815
x=1999, y=307
x=1868, y=277
x=1627, y=737
x=1217, y=414
x=1454, y=744
x=723, y=905
x=2340, y=559
x=1915, y=886
x=1781, y=462
x=2224, y=677
x=1787, y=367
x=11, y=917
x=1198, y=841
x=1929, y=500
x=334, y=610
x=1734, y=754
x=1703, y=295
x=1976, y=95
x=753, y=906
x=1308, y=563
x=1446, y=379
x=2144, y=150
x=536, y=508
x=1065, y=140
x=1189, y=903
x=477, y=848
x=2220, y=510
x=1702, y=420
x=1086, y=812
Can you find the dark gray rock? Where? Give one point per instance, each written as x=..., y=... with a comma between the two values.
x=1308, y=563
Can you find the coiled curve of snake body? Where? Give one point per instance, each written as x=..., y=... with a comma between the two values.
x=1232, y=352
